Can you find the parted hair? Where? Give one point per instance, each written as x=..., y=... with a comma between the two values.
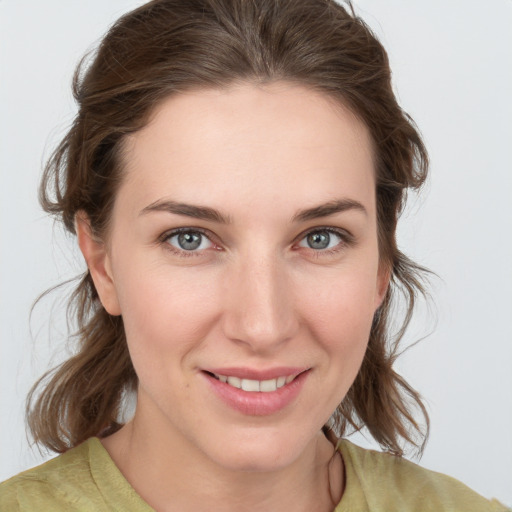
x=169, y=46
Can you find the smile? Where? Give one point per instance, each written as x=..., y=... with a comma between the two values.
x=257, y=392
x=261, y=386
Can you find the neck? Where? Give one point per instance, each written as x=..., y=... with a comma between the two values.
x=169, y=474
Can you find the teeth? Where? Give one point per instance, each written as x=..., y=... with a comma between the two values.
x=250, y=385
x=235, y=382
x=269, y=385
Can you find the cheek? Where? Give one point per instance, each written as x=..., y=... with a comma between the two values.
x=343, y=305
x=340, y=316
x=165, y=314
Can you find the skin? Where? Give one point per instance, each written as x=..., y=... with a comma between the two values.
x=254, y=294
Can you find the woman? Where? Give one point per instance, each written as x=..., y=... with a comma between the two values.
x=234, y=178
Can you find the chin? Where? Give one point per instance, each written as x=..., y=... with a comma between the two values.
x=258, y=450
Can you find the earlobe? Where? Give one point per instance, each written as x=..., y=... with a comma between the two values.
x=98, y=261
x=383, y=279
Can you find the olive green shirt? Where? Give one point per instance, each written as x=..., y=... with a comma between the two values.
x=86, y=479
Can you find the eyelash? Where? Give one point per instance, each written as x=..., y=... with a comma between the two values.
x=346, y=238
x=164, y=239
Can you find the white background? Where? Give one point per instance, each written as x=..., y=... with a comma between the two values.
x=452, y=69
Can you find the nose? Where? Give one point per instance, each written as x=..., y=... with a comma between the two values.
x=259, y=304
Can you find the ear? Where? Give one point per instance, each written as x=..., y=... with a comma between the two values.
x=98, y=261
x=383, y=278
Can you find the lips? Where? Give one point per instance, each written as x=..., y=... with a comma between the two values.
x=254, y=392
x=253, y=385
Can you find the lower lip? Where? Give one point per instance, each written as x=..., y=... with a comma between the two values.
x=257, y=403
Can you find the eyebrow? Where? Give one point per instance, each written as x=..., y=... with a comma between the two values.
x=330, y=208
x=213, y=215
x=189, y=210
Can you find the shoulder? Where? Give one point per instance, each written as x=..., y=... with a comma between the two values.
x=386, y=482
x=63, y=483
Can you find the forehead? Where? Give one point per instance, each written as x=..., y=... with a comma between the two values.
x=259, y=142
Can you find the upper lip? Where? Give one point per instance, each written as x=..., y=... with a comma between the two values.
x=255, y=374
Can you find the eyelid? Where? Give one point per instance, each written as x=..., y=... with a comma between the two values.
x=343, y=233
x=347, y=239
x=185, y=229
x=163, y=239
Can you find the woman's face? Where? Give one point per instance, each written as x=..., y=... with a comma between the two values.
x=243, y=247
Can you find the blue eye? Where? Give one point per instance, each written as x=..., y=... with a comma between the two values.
x=189, y=241
x=321, y=239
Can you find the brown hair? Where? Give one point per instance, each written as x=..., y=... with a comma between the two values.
x=168, y=46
